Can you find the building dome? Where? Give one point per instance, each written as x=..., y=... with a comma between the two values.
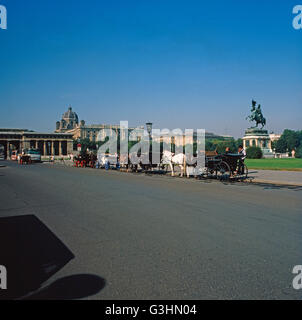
x=70, y=116
x=69, y=121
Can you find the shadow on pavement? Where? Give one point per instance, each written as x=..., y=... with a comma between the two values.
x=32, y=254
x=265, y=186
x=71, y=287
x=277, y=186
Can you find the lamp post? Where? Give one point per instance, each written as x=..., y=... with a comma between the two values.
x=149, y=130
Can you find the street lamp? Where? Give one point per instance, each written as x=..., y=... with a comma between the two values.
x=149, y=127
x=149, y=130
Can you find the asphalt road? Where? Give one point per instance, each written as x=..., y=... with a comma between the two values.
x=158, y=237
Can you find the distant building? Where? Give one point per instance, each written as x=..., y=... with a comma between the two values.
x=49, y=144
x=255, y=137
x=274, y=137
x=70, y=124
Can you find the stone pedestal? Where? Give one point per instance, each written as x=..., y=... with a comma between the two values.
x=255, y=137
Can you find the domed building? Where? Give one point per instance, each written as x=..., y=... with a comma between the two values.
x=70, y=124
x=69, y=121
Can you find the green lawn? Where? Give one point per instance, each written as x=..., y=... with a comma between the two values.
x=275, y=164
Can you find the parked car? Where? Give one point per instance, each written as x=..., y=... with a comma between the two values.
x=34, y=154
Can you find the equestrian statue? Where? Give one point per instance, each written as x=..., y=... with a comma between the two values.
x=256, y=115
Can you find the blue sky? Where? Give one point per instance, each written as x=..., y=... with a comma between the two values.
x=187, y=64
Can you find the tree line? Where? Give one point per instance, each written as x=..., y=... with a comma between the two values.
x=289, y=140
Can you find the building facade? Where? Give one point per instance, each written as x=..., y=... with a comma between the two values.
x=255, y=137
x=49, y=144
x=79, y=130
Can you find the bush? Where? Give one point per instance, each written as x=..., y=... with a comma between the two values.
x=254, y=153
x=281, y=145
x=298, y=153
x=221, y=146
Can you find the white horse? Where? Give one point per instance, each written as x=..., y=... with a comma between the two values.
x=103, y=159
x=169, y=158
x=184, y=162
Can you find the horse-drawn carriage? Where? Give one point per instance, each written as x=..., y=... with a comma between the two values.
x=24, y=159
x=219, y=166
x=225, y=166
x=85, y=160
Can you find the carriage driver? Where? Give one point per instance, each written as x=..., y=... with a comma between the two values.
x=242, y=152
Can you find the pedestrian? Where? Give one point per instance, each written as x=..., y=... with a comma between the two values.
x=242, y=152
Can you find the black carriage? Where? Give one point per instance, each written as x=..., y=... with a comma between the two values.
x=226, y=166
x=25, y=159
x=85, y=160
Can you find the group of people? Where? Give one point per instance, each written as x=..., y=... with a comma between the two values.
x=242, y=153
x=85, y=160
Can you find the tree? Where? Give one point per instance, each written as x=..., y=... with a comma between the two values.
x=254, y=153
x=209, y=145
x=238, y=142
x=221, y=144
x=87, y=144
x=289, y=140
x=221, y=147
x=274, y=145
x=298, y=153
x=281, y=145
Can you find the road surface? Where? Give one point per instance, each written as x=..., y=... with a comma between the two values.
x=158, y=237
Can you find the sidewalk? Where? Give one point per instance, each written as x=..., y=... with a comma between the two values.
x=276, y=177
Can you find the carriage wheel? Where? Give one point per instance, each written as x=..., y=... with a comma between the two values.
x=210, y=173
x=223, y=171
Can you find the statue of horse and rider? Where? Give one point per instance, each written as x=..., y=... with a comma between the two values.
x=256, y=115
